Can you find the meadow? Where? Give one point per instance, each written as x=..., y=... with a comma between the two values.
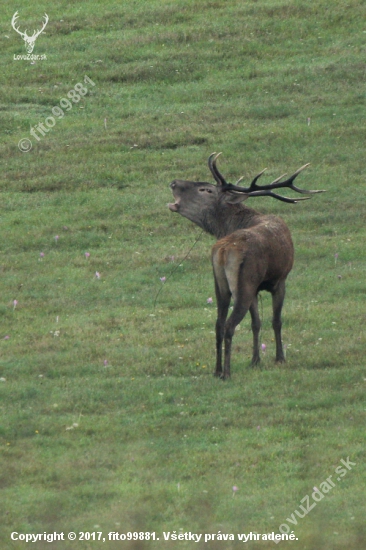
x=110, y=418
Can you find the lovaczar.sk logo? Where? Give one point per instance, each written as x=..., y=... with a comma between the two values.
x=29, y=40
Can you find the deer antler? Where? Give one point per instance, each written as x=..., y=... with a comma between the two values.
x=219, y=178
x=24, y=34
x=13, y=23
x=255, y=190
x=37, y=33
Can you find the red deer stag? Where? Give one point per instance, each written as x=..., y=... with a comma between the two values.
x=254, y=251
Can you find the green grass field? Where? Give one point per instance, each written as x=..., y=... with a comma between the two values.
x=110, y=418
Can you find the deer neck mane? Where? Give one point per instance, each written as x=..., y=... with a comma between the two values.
x=224, y=220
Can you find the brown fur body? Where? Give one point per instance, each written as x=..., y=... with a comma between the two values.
x=245, y=262
x=232, y=256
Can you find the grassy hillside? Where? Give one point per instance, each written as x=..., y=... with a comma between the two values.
x=110, y=419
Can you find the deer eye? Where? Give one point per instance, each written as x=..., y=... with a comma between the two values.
x=205, y=190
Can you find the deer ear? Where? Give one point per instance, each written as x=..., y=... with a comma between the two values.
x=231, y=198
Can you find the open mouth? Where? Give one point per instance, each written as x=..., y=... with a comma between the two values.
x=174, y=206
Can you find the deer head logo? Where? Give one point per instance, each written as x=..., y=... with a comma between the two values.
x=29, y=40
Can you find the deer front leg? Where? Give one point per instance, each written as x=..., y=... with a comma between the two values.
x=219, y=338
x=256, y=326
x=278, y=297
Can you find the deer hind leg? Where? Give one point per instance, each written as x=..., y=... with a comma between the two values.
x=223, y=296
x=242, y=303
x=278, y=296
x=256, y=326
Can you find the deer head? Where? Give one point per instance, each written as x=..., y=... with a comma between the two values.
x=216, y=208
x=29, y=40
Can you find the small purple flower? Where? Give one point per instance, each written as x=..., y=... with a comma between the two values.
x=209, y=300
x=97, y=275
x=87, y=254
x=235, y=489
x=56, y=238
x=105, y=362
x=258, y=428
x=41, y=255
x=7, y=337
x=264, y=347
x=163, y=279
x=15, y=303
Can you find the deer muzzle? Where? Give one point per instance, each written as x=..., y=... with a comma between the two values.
x=173, y=206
